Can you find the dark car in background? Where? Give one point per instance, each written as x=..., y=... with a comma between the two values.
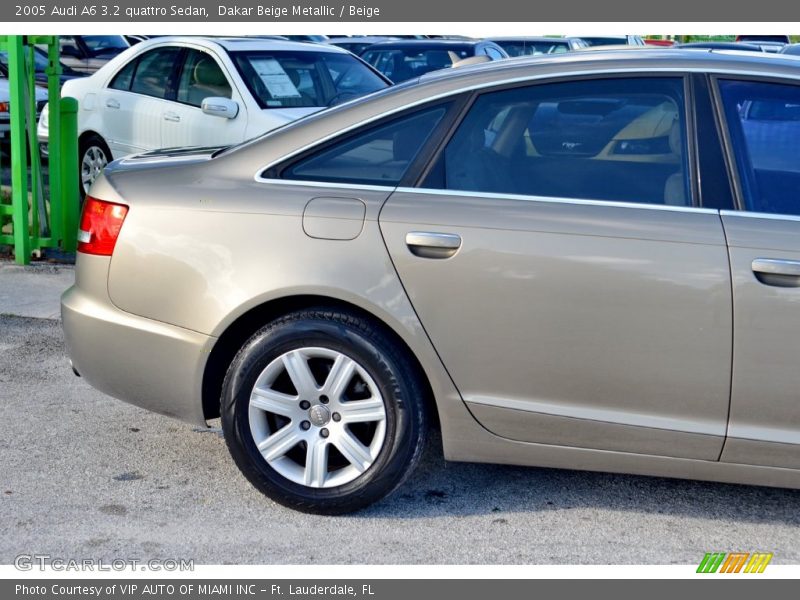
x=532, y=46
x=357, y=44
x=768, y=43
x=720, y=46
x=406, y=59
x=791, y=49
x=40, y=62
x=87, y=53
x=314, y=39
x=779, y=39
x=613, y=40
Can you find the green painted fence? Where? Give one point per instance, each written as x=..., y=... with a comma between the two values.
x=33, y=218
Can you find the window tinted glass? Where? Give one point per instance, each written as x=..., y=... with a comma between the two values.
x=102, y=44
x=606, y=41
x=402, y=64
x=764, y=123
x=201, y=77
x=284, y=79
x=152, y=75
x=615, y=139
x=122, y=80
x=40, y=61
x=68, y=46
x=493, y=53
x=380, y=156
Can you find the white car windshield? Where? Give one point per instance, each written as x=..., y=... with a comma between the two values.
x=304, y=79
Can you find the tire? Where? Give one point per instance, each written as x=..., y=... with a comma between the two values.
x=307, y=459
x=93, y=156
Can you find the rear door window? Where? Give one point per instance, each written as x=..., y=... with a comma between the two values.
x=152, y=77
x=122, y=80
x=763, y=120
x=600, y=139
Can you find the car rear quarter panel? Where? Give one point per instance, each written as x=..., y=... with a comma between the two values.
x=221, y=247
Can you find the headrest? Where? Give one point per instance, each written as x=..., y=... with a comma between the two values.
x=207, y=72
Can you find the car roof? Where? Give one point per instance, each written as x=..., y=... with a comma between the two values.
x=358, y=39
x=233, y=44
x=531, y=38
x=424, y=44
x=621, y=60
x=605, y=37
x=721, y=46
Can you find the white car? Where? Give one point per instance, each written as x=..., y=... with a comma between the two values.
x=191, y=91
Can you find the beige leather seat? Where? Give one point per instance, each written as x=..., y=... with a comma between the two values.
x=675, y=187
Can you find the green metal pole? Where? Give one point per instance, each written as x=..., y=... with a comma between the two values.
x=19, y=158
x=38, y=209
x=54, y=140
x=68, y=155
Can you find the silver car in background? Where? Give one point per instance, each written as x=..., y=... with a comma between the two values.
x=587, y=262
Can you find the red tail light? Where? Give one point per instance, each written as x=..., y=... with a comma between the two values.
x=101, y=223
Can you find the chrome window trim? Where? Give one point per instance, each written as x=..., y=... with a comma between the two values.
x=502, y=82
x=325, y=184
x=558, y=200
x=759, y=215
x=462, y=194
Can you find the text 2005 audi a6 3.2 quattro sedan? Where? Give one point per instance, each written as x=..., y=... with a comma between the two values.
x=587, y=262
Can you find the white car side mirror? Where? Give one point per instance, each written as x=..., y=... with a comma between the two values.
x=220, y=107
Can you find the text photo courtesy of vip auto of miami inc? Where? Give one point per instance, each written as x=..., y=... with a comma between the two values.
x=338, y=304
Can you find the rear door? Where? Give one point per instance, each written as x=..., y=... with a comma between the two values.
x=557, y=257
x=763, y=121
x=135, y=100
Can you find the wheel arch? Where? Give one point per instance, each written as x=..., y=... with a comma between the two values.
x=84, y=135
x=239, y=331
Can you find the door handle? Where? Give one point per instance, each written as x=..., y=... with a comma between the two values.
x=431, y=244
x=172, y=117
x=111, y=103
x=777, y=271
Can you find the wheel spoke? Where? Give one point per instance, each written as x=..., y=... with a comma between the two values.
x=362, y=411
x=280, y=442
x=356, y=453
x=274, y=402
x=296, y=365
x=339, y=377
x=316, y=463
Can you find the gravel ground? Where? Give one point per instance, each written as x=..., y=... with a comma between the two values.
x=87, y=476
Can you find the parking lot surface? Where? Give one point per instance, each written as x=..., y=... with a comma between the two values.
x=84, y=475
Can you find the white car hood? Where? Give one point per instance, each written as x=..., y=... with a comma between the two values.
x=279, y=116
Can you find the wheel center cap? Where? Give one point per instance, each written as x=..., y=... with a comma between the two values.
x=319, y=415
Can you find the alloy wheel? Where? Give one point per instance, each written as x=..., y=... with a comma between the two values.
x=317, y=417
x=93, y=162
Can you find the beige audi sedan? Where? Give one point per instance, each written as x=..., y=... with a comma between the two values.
x=584, y=262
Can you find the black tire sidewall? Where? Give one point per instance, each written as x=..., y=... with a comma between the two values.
x=373, y=350
x=85, y=144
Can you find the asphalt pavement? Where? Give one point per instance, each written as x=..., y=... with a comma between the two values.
x=84, y=475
